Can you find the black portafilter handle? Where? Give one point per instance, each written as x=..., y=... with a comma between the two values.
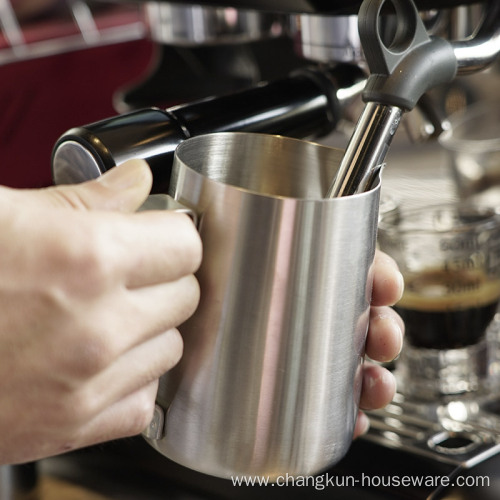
x=304, y=104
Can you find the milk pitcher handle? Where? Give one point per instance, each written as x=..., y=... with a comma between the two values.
x=166, y=202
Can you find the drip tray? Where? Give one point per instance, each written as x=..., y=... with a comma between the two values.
x=460, y=432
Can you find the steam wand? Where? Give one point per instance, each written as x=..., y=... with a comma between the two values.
x=399, y=75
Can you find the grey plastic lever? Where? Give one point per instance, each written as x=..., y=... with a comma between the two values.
x=411, y=64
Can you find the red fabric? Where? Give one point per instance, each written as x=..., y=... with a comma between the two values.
x=40, y=99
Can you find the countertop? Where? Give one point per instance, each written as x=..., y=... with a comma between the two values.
x=50, y=488
x=131, y=470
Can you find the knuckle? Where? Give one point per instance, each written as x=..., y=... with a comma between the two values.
x=190, y=248
x=79, y=409
x=142, y=413
x=184, y=299
x=66, y=196
x=93, y=267
x=196, y=250
x=192, y=294
x=72, y=410
x=87, y=260
x=175, y=349
x=92, y=354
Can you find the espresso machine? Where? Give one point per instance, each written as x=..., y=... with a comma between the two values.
x=314, y=92
x=308, y=102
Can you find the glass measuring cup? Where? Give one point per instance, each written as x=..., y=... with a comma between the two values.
x=449, y=255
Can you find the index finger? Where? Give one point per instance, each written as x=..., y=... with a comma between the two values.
x=154, y=247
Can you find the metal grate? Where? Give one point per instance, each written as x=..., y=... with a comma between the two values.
x=68, y=26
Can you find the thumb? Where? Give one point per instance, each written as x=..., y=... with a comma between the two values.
x=123, y=188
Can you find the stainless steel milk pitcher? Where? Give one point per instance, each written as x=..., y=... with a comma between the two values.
x=270, y=379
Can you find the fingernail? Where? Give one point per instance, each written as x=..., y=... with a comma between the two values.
x=129, y=174
x=363, y=423
x=401, y=284
x=397, y=327
x=388, y=378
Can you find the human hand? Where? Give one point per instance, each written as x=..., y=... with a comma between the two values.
x=90, y=295
x=384, y=339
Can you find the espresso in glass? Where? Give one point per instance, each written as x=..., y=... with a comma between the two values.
x=443, y=310
x=449, y=255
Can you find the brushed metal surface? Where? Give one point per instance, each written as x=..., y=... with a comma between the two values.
x=271, y=374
